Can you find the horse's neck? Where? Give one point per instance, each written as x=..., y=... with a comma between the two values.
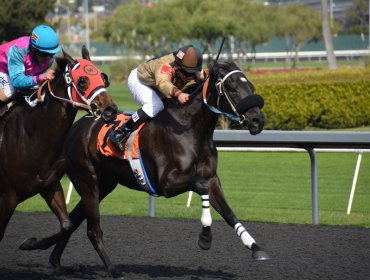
x=192, y=117
x=53, y=117
x=60, y=112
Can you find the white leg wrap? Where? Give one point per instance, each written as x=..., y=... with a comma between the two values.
x=244, y=235
x=206, y=218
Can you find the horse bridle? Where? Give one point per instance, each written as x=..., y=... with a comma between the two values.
x=253, y=100
x=48, y=84
x=87, y=103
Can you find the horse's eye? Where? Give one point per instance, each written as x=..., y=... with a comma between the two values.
x=83, y=83
x=231, y=85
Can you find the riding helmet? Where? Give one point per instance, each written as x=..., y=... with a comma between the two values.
x=190, y=59
x=44, y=39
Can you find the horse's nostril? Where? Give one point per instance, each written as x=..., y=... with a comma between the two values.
x=256, y=120
x=94, y=107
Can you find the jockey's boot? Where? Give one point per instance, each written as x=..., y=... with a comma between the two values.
x=119, y=136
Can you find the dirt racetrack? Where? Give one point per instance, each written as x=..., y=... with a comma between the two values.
x=154, y=248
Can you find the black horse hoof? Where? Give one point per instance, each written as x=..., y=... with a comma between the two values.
x=59, y=270
x=258, y=254
x=28, y=244
x=114, y=273
x=205, y=238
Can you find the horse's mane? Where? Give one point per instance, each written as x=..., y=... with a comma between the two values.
x=196, y=88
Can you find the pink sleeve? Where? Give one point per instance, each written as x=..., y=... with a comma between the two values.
x=39, y=79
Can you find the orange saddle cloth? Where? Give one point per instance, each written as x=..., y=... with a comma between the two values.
x=105, y=146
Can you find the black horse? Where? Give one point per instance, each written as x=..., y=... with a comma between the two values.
x=31, y=139
x=178, y=153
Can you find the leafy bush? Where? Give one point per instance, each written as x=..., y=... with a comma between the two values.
x=322, y=99
x=120, y=70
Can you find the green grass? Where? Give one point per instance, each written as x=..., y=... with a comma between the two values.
x=260, y=186
x=122, y=97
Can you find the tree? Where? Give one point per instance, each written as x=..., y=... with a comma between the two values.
x=211, y=21
x=356, y=18
x=253, y=25
x=332, y=63
x=298, y=25
x=20, y=21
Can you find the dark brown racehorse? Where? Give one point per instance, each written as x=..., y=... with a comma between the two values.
x=31, y=139
x=179, y=155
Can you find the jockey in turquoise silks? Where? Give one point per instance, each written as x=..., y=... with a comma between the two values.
x=25, y=62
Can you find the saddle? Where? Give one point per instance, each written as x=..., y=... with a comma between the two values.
x=5, y=106
x=130, y=154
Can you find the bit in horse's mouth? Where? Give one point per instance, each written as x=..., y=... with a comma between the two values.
x=109, y=114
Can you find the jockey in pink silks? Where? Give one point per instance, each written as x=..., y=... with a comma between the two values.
x=25, y=62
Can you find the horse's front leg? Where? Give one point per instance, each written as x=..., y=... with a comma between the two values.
x=8, y=203
x=61, y=238
x=205, y=236
x=218, y=202
x=54, y=197
x=179, y=182
x=90, y=195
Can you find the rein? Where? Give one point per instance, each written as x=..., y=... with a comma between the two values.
x=48, y=84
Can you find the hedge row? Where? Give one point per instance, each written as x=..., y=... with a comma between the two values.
x=325, y=99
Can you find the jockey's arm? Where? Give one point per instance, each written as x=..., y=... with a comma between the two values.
x=163, y=81
x=16, y=69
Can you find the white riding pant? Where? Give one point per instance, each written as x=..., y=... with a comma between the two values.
x=145, y=96
x=6, y=86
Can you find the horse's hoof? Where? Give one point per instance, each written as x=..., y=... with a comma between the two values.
x=28, y=244
x=205, y=238
x=258, y=254
x=114, y=273
x=58, y=269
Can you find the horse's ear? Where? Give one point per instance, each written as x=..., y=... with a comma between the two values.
x=69, y=59
x=251, y=86
x=105, y=79
x=85, y=53
x=212, y=66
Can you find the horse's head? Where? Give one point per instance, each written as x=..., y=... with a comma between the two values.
x=87, y=86
x=235, y=96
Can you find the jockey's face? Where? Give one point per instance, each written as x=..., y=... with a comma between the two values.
x=42, y=57
x=185, y=76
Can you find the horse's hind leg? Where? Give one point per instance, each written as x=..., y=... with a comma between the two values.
x=218, y=202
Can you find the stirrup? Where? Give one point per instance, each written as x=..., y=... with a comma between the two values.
x=118, y=139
